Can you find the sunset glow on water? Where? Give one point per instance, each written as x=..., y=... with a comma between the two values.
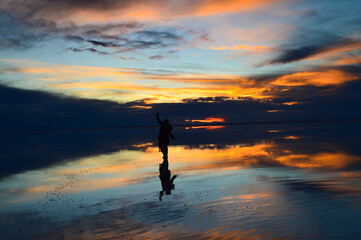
x=254, y=188
x=169, y=119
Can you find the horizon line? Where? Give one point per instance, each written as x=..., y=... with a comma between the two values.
x=304, y=121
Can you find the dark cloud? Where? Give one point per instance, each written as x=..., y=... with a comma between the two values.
x=103, y=44
x=156, y=57
x=61, y=9
x=326, y=29
x=154, y=35
x=103, y=30
x=128, y=58
x=93, y=50
x=22, y=32
x=110, y=31
x=309, y=13
x=33, y=8
x=205, y=99
x=154, y=39
x=15, y=35
x=150, y=39
x=299, y=51
x=74, y=38
x=25, y=32
x=200, y=34
x=123, y=37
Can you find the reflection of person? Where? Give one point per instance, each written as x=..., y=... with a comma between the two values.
x=165, y=178
x=164, y=134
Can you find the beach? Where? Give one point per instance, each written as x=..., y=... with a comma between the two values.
x=233, y=182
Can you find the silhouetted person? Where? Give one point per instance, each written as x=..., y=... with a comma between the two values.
x=164, y=134
x=165, y=178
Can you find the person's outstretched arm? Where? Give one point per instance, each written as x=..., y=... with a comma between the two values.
x=171, y=135
x=158, y=119
x=172, y=179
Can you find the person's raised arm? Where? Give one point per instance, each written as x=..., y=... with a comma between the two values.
x=158, y=119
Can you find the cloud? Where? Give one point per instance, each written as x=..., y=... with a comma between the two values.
x=90, y=50
x=353, y=60
x=24, y=31
x=113, y=10
x=291, y=53
x=104, y=83
x=160, y=94
x=103, y=44
x=205, y=99
x=118, y=24
x=145, y=39
x=156, y=57
x=128, y=58
x=331, y=33
x=127, y=84
x=325, y=34
x=14, y=34
x=319, y=79
x=245, y=47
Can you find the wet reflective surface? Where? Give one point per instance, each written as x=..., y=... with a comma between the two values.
x=248, y=182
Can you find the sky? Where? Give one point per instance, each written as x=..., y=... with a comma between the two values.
x=276, y=58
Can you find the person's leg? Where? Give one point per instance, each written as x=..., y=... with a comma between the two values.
x=165, y=163
x=160, y=146
x=162, y=150
x=166, y=150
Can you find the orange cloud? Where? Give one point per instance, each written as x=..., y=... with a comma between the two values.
x=349, y=60
x=256, y=49
x=57, y=72
x=334, y=51
x=319, y=79
x=203, y=78
x=124, y=85
x=208, y=7
x=162, y=10
x=134, y=12
x=155, y=94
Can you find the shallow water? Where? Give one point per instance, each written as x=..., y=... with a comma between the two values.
x=238, y=182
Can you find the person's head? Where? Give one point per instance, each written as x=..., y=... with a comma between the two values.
x=166, y=121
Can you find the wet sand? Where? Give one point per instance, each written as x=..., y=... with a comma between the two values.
x=299, y=182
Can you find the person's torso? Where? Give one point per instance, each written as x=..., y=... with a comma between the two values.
x=164, y=131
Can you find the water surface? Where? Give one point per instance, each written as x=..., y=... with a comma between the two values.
x=296, y=181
